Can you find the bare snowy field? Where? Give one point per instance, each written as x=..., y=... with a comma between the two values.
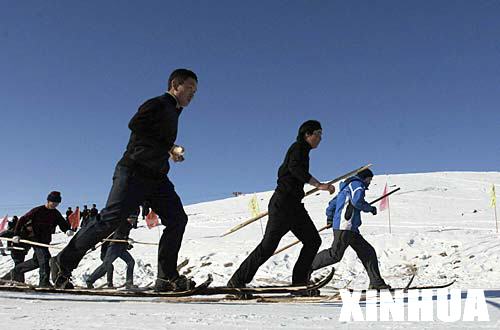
x=442, y=226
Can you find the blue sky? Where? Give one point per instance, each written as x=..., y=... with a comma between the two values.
x=410, y=86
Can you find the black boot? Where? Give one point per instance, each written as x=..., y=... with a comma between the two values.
x=235, y=283
x=381, y=286
x=61, y=280
x=45, y=285
x=180, y=283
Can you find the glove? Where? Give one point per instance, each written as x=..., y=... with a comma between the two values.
x=16, y=239
x=69, y=233
x=329, y=222
x=177, y=153
x=130, y=241
x=374, y=210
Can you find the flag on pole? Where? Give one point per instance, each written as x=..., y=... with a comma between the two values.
x=254, y=206
x=384, y=203
x=74, y=219
x=3, y=224
x=152, y=219
x=493, y=197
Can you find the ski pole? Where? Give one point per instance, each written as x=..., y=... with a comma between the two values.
x=12, y=248
x=127, y=241
x=31, y=243
x=329, y=226
x=263, y=214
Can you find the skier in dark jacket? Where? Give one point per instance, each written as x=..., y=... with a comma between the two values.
x=141, y=175
x=287, y=213
x=344, y=213
x=113, y=251
x=43, y=221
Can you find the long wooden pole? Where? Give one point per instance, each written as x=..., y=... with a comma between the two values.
x=263, y=214
x=126, y=241
x=25, y=241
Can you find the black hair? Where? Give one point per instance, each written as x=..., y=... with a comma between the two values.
x=181, y=75
x=308, y=127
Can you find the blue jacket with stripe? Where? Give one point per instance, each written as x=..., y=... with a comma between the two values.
x=346, y=207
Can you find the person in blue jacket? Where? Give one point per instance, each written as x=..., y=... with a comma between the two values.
x=344, y=215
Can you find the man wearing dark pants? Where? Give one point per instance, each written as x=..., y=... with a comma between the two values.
x=141, y=175
x=114, y=251
x=287, y=213
x=42, y=221
x=344, y=213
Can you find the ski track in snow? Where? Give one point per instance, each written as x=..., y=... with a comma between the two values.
x=442, y=226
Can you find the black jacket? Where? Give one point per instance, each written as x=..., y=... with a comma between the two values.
x=93, y=212
x=154, y=131
x=43, y=221
x=294, y=172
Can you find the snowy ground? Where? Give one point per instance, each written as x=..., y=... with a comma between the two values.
x=442, y=225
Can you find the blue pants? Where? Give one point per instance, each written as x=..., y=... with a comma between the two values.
x=114, y=251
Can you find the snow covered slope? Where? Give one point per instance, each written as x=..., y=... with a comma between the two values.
x=442, y=225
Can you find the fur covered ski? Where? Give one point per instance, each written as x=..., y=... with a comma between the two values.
x=268, y=289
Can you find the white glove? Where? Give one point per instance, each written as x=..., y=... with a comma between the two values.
x=130, y=241
x=70, y=233
x=177, y=153
x=16, y=239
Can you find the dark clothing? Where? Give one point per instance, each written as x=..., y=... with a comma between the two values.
x=94, y=212
x=283, y=217
x=68, y=213
x=146, y=207
x=85, y=222
x=114, y=251
x=85, y=215
x=294, y=172
x=109, y=274
x=43, y=221
x=12, y=224
x=41, y=257
x=154, y=130
x=129, y=190
x=286, y=212
x=342, y=239
x=17, y=256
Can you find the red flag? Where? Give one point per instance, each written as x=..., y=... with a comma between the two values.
x=384, y=203
x=152, y=220
x=74, y=219
x=3, y=224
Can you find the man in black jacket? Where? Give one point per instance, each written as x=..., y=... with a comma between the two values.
x=84, y=216
x=286, y=212
x=141, y=175
x=94, y=212
x=38, y=225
